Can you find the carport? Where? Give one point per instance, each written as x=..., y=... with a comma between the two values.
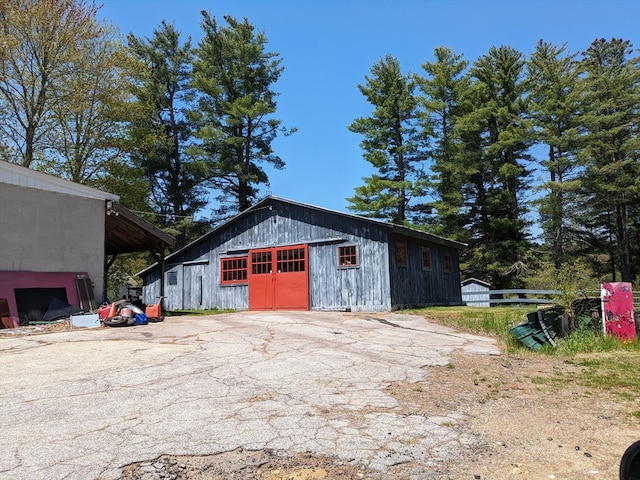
x=126, y=232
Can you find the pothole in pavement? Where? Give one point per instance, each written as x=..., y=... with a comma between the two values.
x=243, y=464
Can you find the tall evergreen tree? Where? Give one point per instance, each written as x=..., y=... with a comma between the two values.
x=610, y=119
x=552, y=83
x=234, y=77
x=160, y=130
x=442, y=94
x=496, y=136
x=392, y=143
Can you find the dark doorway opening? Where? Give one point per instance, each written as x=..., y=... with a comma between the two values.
x=33, y=303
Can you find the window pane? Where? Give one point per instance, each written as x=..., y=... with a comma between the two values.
x=401, y=253
x=234, y=270
x=260, y=263
x=291, y=260
x=426, y=258
x=347, y=256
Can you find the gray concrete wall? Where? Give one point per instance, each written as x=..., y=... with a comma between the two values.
x=52, y=232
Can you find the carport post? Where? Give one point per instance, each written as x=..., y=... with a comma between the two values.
x=161, y=279
x=160, y=259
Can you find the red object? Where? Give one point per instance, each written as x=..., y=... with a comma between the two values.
x=152, y=311
x=279, y=278
x=103, y=311
x=617, y=310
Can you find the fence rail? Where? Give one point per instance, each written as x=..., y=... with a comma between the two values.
x=526, y=296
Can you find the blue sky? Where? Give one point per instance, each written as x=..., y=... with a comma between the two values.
x=328, y=46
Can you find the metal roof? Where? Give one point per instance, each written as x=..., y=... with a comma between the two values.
x=13, y=174
x=125, y=232
x=399, y=229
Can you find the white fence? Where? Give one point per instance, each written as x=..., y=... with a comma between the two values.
x=486, y=298
x=513, y=296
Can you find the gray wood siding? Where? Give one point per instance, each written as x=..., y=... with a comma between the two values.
x=476, y=295
x=413, y=286
x=365, y=287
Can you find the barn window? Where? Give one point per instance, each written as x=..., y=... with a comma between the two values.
x=426, y=258
x=261, y=263
x=290, y=260
x=447, y=263
x=347, y=256
x=172, y=278
x=401, y=254
x=234, y=270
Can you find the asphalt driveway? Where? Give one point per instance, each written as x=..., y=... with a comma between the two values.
x=82, y=404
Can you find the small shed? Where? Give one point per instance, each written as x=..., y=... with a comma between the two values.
x=284, y=255
x=475, y=293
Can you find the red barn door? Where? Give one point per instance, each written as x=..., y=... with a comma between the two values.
x=279, y=278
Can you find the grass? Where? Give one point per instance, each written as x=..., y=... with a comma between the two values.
x=495, y=321
x=602, y=363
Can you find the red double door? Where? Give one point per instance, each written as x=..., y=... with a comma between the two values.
x=279, y=278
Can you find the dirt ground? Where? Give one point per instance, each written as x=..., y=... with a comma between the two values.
x=531, y=420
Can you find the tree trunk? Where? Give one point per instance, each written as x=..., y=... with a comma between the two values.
x=623, y=241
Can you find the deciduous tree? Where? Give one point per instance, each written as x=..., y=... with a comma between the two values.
x=41, y=43
x=88, y=120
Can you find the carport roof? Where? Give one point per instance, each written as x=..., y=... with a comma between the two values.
x=125, y=232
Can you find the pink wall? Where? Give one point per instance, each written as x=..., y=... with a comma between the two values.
x=11, y=280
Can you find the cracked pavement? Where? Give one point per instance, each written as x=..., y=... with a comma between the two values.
x=85, y=403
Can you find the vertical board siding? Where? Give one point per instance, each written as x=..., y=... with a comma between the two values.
x=412, y=286
x=476, y=295
x=367, y=287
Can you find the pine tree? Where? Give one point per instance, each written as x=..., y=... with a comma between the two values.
x=552, y=82
x=160, y=130
x=234, y=75
x=496, y=136
x=610, y=106
x=392, y=143
x=442, y=94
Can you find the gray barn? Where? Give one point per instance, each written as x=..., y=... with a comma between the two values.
x=284, y=255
